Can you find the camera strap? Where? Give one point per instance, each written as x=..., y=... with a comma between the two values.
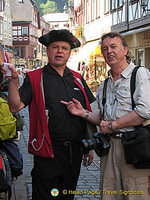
x=104, y=93
x=132, y=88
x=132, y=84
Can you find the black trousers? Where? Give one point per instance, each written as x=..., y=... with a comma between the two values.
x=53, y=176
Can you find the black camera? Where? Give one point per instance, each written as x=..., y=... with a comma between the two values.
x=100, y=143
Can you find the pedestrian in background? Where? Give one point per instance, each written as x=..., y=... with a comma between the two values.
x=55, y=140
x=118, y=179
x=20, y=77
x=83, y=69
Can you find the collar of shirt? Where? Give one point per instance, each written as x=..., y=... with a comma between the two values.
x=126, y=72
x=51, y=70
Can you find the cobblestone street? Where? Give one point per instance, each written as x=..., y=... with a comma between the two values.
x=88, y=183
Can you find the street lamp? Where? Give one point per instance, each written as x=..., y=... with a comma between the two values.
x=144, y=4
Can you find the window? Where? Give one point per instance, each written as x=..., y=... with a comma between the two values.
x=22, y=52
x=120, y=3
x=17, y=30
x=106, y=5
x=1, y=27
x=20, y=1
x=25, y=30
x=97, y=8
x=14, y=33
x=87, y=11
x=115, y=3
x=17, y=51
x=94, y=9
x=35, y=17
x=140, y=57
x=10, y=27
x=112, y=4
x=133, y=1
x=5, y=24
x=35, y=53
x=1, y=5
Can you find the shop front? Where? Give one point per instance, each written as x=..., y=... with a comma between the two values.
x=139, y=46
x=19, y=62
x=90, y=63
x=82, y=56
x=98, y=64
x=31, y=62
x=98, y=68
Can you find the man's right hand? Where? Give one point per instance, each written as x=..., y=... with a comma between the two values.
x=14, y=74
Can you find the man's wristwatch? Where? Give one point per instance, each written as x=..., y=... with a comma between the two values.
x=86, y=115
x=110, y=126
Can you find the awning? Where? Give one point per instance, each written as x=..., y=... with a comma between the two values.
x=136, y=31
x=96, y=53
x=83, y=55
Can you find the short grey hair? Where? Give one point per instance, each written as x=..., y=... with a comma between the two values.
x=124, y=43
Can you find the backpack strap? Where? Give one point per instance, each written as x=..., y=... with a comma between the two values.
x=104, y=93
x=132, y=84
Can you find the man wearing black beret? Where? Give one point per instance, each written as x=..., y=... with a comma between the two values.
x=59, y=35
x=55, y=134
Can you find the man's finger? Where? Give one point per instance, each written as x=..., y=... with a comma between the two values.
x=64, y=102
x=75, y=101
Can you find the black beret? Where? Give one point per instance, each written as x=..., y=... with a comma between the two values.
x=60, y=35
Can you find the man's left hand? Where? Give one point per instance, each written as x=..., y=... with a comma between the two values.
x=88, y=159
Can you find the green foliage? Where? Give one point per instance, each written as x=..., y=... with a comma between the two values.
x=38, y=2
x=49, y=7
x=79, y=32
x=60, y=4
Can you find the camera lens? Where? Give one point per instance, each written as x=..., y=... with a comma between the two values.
x=99, y=143
x=87, y=145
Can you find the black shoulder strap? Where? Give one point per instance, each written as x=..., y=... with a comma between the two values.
x=132, y=84
x=104, y=92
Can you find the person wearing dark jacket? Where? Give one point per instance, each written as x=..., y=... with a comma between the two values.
x=55, y=134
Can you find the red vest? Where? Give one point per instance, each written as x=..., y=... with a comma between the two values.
x=39, y=137
x=78, y=82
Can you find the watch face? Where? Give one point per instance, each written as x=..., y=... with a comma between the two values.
x=110, y=126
